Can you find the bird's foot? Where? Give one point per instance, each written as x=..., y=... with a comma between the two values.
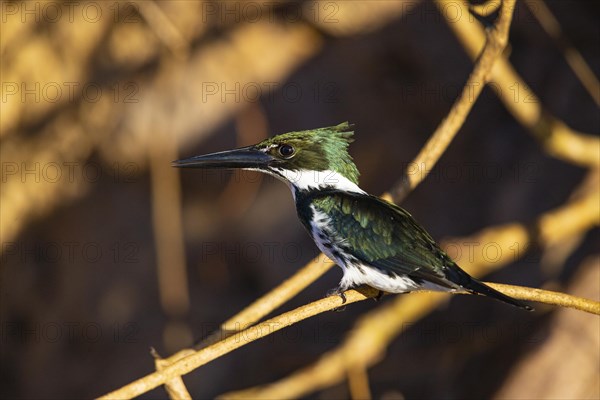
x=379, y=295
x=338, y=292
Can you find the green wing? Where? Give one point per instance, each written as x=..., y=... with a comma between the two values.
x=385, y=236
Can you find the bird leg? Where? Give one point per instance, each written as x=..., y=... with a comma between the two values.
x=338, y=292
x=341, y=292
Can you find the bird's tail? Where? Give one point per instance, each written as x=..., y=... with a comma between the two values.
x=473, y=285
x=482, y=288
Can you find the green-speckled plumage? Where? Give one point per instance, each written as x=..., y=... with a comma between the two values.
x=381, y=234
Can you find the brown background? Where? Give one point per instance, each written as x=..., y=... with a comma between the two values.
x=80, y=300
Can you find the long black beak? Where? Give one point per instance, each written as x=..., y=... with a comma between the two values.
x=245, y=157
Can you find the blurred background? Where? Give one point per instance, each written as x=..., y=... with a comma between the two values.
x=108, y=251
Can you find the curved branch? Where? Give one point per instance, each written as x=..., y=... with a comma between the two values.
x=577, y=216
x=375, y=331
x=416, y=304
x=448, y=128
x=555, y=136
x=404, y=308
x=272, y=300
x=202, y=357
x=255, y=311
x=427, y=156
x=580, y=67
x=548, y=297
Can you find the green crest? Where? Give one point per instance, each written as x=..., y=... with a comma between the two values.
x=317, y=150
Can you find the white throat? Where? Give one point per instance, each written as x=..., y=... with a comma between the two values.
x=306, y=180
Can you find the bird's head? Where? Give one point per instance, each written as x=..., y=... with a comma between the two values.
x=311, y=159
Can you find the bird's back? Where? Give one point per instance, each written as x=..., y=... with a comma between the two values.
x=380, y=244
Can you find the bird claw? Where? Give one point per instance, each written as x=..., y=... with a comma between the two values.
x=339, y=309
x=338, y=292
x=379, y=295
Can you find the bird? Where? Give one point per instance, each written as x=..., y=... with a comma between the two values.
x=375, y=242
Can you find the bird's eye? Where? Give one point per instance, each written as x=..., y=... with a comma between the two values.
x=286, y=150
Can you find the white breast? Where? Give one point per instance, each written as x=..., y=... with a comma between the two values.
x=356, y=272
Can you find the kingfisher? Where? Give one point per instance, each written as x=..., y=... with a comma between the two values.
x=375, y=242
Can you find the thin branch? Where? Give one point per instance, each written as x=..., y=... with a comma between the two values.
x=412, y=306
x=164, y=28
x=259, y=308
x=581, y=214
x=548, y=297
x=486, y=9
x=443, y=135
x=233, y=328
x=554, y=135
x=202, y=357
x=272, y=300
x=548, y=21
x=358, y=383
x=436, y=145
x=267, y=303
x=375, y=330
x=167, y=226
x=175, y=387
x=251, y=127
x=373, y=333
